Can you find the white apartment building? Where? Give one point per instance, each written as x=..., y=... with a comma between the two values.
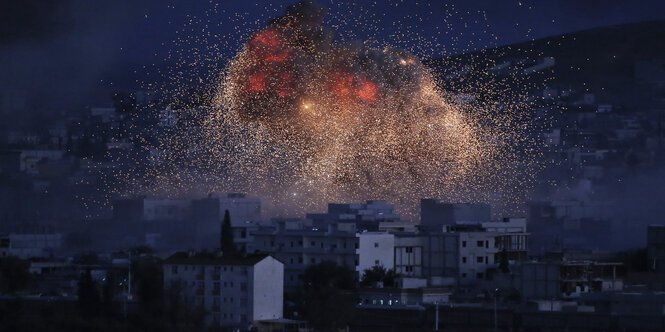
x=482, y=244
x=375, y=248
x=233, y=291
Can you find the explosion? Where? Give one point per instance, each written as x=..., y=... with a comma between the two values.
x=300, y=118
x=320, y=120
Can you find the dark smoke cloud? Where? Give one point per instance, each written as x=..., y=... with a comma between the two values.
x=58, y=53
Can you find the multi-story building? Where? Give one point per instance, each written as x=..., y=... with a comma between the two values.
x=298, y=244
x=482, y=246
x=430, y=256
x=435, y=214
x=366, y=216
x=232, y=291
x=375, y=249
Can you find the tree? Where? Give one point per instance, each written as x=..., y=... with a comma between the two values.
x=228, y=247
x=14, y=274
x=328, y=301
x=378, y=273
x=149, y=280
x=88, y=296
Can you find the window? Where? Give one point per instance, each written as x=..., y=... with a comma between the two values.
x=291, y=244
x=376, y=244
x=463, y=244
x=479, y=275
x=312, y=244
x=231, y=283
x=312, y=260
x=243, y=286
x=243, y=301
x=409, y=249
x=215, y=301
x=479, y=259
x=464, y=260
x=487, y=244
x=215, y=286
x=300, y=260
x=463, y=275
x=486, y=260
x=409, y=268
x=243, y=234
x=480, y=244
x=291, y=260
x=243, y=318
x=174, y=269
x=376, y=262
x=217, y=269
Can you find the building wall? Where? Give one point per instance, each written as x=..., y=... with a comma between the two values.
x=231, y=294
x=268, y=289
x=540, y=281
x=441, y=258
x=241, y=209
x=409, y=255
x=299, y=249
x=477, y=250
x=434, y=214
x=375, y=249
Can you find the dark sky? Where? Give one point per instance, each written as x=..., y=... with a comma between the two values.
x=72, y=47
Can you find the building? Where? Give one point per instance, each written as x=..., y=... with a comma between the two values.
x=242, y=209
x=656, y=247
x=435, y=214
x=366, y=216
x=483, y=246
x=233, y=291
x=298, y=244
x=30, y=245
x=375, y=249
x=197, y=222
x=570, y=224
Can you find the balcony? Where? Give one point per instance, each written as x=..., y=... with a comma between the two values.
x=215, y=277
x=200, y=277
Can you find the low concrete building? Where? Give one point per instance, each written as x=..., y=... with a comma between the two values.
x=233, y=291
x=375, y=249
x=298, y=244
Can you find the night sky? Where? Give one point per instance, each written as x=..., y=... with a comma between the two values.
x=70, y=47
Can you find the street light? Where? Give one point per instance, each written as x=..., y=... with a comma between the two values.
x=496, y=321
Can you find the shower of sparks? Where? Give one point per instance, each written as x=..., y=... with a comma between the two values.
x=301, y=117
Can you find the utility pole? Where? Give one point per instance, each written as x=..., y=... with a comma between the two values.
x=436, y=317
x=496, y=321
